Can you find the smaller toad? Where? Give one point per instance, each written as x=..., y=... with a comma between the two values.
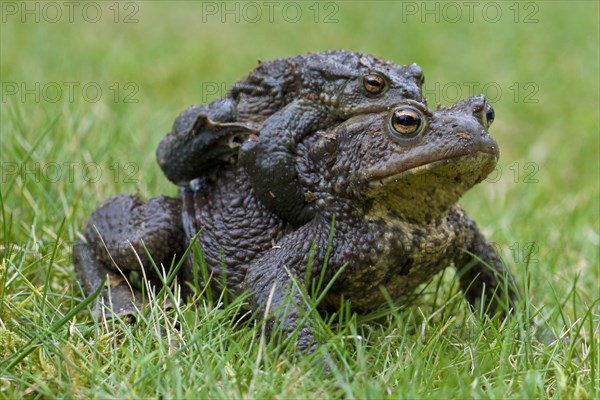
x=275, y=106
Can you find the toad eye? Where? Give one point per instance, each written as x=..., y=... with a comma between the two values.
x=374, y=83
x=490, y=115
x=406, y=123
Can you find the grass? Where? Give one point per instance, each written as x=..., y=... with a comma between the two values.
x=62, y=154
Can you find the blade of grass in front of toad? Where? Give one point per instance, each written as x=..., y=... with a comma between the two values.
x=42, y=339
x=32, y=147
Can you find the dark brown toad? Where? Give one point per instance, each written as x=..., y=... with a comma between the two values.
x=283, y=100
x=389, y=182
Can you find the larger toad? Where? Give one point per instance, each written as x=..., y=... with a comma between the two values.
x=389, y=182
x=282, y=100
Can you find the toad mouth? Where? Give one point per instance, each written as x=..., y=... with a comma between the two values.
x=474, y=163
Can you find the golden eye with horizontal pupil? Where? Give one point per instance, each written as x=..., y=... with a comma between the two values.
x=406, y=123
x=374, y=83
x=490, y=115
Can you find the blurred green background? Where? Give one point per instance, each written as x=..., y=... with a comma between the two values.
x=88, y=89
x=101, y=82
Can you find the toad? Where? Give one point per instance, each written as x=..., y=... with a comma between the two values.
x=385, y=186
x=275, y=106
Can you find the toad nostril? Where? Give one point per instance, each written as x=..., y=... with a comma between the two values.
x=478, y=103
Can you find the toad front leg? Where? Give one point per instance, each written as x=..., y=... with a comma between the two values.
x=482, y=274
x=269, y=280
x=270, y=159
x=115, y=237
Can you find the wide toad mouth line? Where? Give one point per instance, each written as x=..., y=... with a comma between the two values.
x=428, y=166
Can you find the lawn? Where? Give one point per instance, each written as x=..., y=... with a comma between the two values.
x=88, y=89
